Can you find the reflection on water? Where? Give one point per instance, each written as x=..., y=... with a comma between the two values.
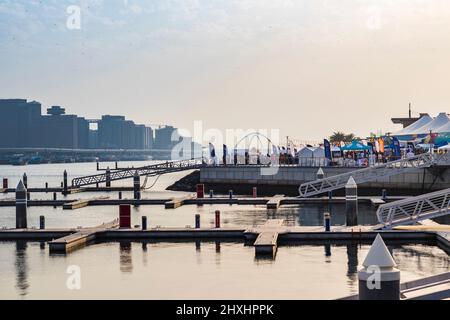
x=298, y=271
x=21, y=268
x=126, y=260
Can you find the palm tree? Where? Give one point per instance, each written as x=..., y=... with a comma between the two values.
x=338, y=137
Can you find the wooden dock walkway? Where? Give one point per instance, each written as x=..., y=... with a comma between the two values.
x=82, y=237
x=275, y=201
x=267, y=241
x=81, y=203
x=178, y=202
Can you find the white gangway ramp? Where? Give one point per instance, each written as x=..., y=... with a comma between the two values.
x=387, y=169
x=412, y=210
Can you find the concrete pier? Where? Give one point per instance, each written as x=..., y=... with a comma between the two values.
x=21, y=206
x=351, y=202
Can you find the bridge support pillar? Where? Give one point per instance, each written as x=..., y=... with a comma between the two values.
x=108, y=177
x=21, y=206
x=379, y=279
x=136, y=185
x=351, y=202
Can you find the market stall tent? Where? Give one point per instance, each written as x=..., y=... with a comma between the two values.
x=440, y=121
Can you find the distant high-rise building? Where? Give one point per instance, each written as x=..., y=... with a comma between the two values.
x=16, y=119
x=163, y=138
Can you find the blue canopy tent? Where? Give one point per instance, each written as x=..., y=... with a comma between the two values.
x=355, y=146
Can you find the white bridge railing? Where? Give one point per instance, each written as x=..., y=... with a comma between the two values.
x=365, y=175
x=412, y=210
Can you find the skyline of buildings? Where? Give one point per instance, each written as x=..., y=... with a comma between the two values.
x=22, y=125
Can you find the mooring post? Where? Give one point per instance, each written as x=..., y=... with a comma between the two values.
x=98, y=167
x=327, y=221
x=124, y=216
x=54, y=196
x=320, y=174
x=41, y=222
x=330, y=195
x=197, y=221
x=144, y=223
x=384, y=194
x=255, y=192
x=65, y=182
x=379, y=279
x=117, y=167
x=200, y=190
x=28, y=196
x=46, y=186
x=5, y=183
x=211, y=193
x=230, y=193
x=21, y=206
x=351, y=202
x=136, y=185
x=217, y=220
x=25, y=180
x=108, y=177
x=120, y=195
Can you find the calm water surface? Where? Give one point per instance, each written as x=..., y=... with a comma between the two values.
x=186, y=270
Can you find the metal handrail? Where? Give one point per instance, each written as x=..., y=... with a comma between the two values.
x=151, y=170
x=411, y=210
x=366, y=174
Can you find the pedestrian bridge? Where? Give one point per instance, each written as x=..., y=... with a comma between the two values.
x=412, y=210
x=391, y=168
x=151, y=170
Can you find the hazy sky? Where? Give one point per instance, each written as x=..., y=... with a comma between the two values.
x=307, y=67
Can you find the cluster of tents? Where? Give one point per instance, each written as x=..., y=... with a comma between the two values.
x=427, y=131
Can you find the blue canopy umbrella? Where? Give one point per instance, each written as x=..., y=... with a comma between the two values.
x=355, y=146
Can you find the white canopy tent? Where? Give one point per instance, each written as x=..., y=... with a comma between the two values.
x=444, y=129
x=441, y=120
x=306, y=152
x=422, y=121
x=319, y=152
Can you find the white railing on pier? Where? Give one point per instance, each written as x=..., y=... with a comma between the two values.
x=365, y=175
x=412, y=210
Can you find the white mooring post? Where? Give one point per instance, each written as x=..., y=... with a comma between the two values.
x=351, y=202
x=320, y=174
x=379, y=279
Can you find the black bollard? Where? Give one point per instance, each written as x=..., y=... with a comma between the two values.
x=28, y=196
x=230, y=193
x=327, y=221
x=41, y=222
x=120, y=195
x=54, y=196
x=144, y=223
x=197, y=221
x=211, y=193
x=46, y=186
x=384, y=194
x=65, y=182
x=21, y=206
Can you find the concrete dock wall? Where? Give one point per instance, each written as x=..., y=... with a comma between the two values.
x=434, y=178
